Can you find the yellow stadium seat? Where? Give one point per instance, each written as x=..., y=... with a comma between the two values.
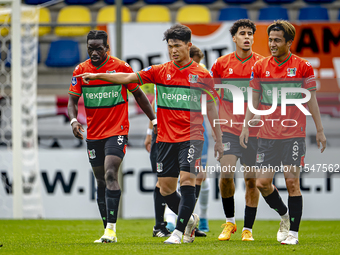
x=193, y=14
x=153, y=13
x=5, y=18
x=44, y=17
x=107, y=14
x=73, y=14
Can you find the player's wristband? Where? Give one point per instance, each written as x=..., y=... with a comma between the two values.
x=149, y=131
x=154, y=122
x=73, y=120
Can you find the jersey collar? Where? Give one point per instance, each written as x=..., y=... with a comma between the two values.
x=243, y=60
x=107, y=59
x=182, y=67
x=284, y=61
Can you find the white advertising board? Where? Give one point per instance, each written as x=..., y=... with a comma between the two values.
x=68, y=188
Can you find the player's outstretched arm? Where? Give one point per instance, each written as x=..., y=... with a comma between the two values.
x=314, y=110
x=145, y=105
x=72, y=108
x=118, y=78
x=213, y=115
x=249, y=115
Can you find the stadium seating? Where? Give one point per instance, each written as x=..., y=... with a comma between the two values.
x=4, y=18
x=233, y=13
x=279, y=1
x=159, y=1
x=239, y=1
x=199, y=1
x=273, y=13
x=193, y=14
x=76, y=15
x=63, y=53
x=35, y=2
x=319, y=1
x=153, y=13
x=44, y=17
x=124, y=1
x=313, y=13
x=80, y=2
x=107, y=14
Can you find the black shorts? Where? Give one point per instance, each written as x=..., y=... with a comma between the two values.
x=98, y=149
x=232, y=146
x=153, y=153
x=175, y=157
x=273, y=152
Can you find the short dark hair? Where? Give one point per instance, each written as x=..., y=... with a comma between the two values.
x=178, y=32
x=285, y=26
x=195, y=51
x=242, y=23
x=97, y=34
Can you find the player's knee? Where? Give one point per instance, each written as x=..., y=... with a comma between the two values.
x=293, y=186
x=263, y=186
x=226, y=182
x=250, y=183
x=111, y=176
x=166, y=190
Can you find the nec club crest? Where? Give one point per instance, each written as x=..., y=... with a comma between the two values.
x=260, y=158
x=91, y=153
x=291, y=72
x=193, y=78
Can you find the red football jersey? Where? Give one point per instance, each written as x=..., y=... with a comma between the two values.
x=231, y=69
x=106, y=104
x=293, y=72
x=178, y=97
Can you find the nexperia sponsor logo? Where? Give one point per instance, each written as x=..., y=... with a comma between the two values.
x=241, y=84
x=179, y=97
x=102, y=96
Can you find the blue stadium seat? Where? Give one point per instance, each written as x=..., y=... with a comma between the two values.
x=233, y=13
x=199, y=1
x=273, y=13
x=80, y=2
x=124, y=1
x=313, y=13
x=159, y=1
x=279, y=1
x=63, y=53
x=35, y=2
x=239, y=1
x=319, y=1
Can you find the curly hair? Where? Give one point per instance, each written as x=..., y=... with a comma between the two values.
x=242, y=23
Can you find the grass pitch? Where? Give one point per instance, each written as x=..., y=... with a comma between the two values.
x=135, y=237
